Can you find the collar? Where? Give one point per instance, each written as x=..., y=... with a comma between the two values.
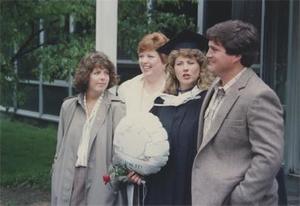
x=179, y=91
x=182, y=98
x=231, y=82
x=107, y=98
x=80, y=99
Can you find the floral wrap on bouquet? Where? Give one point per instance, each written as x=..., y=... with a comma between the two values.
x=141, y=144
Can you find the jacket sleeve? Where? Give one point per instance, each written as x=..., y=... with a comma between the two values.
x=60, y=131
x=265, y=124
x=118, y=113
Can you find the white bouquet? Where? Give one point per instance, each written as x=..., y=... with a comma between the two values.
x=140, y=145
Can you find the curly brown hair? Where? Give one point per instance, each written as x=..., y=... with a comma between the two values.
x=152, y=42
x=205, y=78
x=87, y=65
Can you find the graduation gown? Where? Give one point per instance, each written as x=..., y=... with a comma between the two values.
x=172, y=185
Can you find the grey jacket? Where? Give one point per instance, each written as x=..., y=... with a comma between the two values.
x=238, y=160
x=108, y=116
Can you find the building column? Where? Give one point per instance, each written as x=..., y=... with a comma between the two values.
x=41, y=96
x=200, y=16
x=292, y=132
x=106, y=28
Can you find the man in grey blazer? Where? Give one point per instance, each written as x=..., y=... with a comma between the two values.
x=240, y=137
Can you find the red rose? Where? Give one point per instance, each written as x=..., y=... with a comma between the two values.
x=106, y=179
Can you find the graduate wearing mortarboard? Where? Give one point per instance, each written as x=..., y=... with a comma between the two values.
x=178, y=109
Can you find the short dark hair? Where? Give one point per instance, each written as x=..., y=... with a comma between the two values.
x=238, y=38
x=87, y=65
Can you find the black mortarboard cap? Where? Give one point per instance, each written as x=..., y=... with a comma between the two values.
x=185, y=40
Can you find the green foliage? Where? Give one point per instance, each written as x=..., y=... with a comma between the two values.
x=135, y=21
x=26, y=154
x=60, y=60
x=23, y=22
x=7, y=80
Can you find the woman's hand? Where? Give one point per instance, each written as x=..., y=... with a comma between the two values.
x=134, y=177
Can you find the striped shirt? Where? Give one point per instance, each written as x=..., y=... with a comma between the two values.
x=217, y=100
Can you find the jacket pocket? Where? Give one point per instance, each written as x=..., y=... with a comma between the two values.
x=235, y=130
x=234, y=123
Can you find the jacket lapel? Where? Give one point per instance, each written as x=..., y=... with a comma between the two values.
x=100, y=117
x=225, y=107
x=204, y=106
x=229, y=100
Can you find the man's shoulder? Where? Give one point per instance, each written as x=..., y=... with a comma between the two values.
x=258, y=90
x=257, y=86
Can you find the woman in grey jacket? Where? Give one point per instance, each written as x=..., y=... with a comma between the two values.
x=85, y=136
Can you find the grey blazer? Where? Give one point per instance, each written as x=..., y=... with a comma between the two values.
x=238, y=160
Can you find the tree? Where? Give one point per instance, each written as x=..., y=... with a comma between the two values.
x=23, y=23
x=134, y=21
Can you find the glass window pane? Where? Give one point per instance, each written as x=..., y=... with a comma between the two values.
x=249, y=11
x=29, y=98
x=53, y=98
x=28, y=67
x=216, y=11
x=276, y=46
x=126, y=72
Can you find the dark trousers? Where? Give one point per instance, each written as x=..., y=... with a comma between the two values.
x=282, y=195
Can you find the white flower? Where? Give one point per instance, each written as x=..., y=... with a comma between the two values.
x=141, y=143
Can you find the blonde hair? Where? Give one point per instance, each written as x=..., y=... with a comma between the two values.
x=205, y=77
x=152, y=42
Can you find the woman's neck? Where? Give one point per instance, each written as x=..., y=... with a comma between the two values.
x=185, y=89
x=92, y=96
x=90, y=101
x=155, y=84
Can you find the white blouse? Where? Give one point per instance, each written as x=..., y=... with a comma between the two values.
x=136, y=98
x=82, y=152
